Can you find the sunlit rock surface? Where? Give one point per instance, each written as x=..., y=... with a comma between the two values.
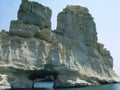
x=71, y=53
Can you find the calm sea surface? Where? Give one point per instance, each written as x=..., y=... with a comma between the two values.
x=101, y=87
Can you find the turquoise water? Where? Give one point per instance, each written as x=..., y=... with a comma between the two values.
x=101, y=87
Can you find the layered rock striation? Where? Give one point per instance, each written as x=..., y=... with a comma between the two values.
x=71, y=53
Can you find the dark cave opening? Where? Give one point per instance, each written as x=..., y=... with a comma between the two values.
x=43, y=78
x=41, y=74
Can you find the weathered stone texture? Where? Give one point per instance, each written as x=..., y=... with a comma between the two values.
x=71, y=53
x=24, y=30
x=35, y=13
x=76, y=22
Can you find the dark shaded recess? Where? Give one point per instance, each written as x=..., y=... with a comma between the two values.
x=42, y=74
x=33, y=74
x=41, y=36
x=106, y=82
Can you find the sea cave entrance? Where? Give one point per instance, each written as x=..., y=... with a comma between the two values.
x=43, y=78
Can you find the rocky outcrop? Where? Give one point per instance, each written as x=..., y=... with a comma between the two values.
x=24, y=30
x=71, y=54
x=75, y=22
x=34, y=13
x=4, y=84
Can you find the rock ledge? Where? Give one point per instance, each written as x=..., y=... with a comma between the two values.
x=71, y=54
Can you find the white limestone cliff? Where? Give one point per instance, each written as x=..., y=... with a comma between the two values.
x=71, y=53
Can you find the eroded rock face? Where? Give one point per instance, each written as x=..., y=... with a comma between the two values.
x=4, y=84
x=75, y=22
x=34, y=13
x=24, y=30
x=31, y=51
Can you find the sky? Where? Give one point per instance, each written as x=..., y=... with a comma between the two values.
x=105, y=12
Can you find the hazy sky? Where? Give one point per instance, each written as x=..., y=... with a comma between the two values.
x=105, y=12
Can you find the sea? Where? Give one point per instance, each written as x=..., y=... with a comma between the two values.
x=100, y=87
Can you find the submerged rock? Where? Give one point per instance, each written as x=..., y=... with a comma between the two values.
x=71, y=54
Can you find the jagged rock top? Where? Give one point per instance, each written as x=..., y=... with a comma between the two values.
x=77, y=23
x=71, y=52
x=77, y=9
x=35, y=13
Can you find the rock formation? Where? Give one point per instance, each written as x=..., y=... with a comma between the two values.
x=71, y=53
